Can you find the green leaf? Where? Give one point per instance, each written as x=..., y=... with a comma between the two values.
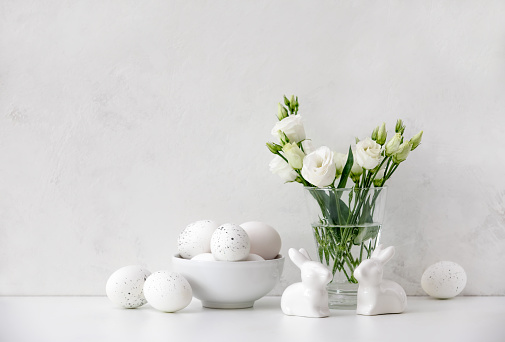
x=360, y=237
x=343, y=213
x=366, y=214
x=366, y=233
x=372, y=232
x=332, y=209
x=347, y=170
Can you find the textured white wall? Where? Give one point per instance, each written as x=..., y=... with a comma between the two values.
x=123, y=121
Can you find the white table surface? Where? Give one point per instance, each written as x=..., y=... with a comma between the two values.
x=480, y=319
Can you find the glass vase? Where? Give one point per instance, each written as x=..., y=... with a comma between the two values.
x=346, y=224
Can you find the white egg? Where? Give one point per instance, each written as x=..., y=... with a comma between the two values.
x=195, y=238
x=167, y=291
x=230, y=243
x=253, y=257
x=204, y=257
x=265, y=240
x=124, y=287
x=445, y=279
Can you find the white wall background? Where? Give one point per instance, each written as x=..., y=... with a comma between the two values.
x=123, y=121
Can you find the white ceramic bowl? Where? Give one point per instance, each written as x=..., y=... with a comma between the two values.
x=229, y=285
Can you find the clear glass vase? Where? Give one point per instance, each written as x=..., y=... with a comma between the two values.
x=346, y=225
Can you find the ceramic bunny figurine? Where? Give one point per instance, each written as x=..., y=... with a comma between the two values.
x=310, y=297
x=378, y=296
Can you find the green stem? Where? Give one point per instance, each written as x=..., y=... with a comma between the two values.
x=375, y=174
x=393, y=169
x=336, y=239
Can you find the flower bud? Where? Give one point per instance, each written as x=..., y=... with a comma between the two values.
x=402, y=153
x=374, y=133
x=282, y=112
x=294, y=155
x=286, y=101
x=379, y=176
x=382, y=134
x=274, y=148
x=400, y=127
x=340, y=161
x=355, y=178
x=393, y=144
x=292, y=104
x=416, y=140
x=283, y=138
x=356, y=169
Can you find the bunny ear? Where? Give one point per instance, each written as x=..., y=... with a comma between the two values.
x=386, y=254
x=304, y=253
x=377, y=252
x=298, y=258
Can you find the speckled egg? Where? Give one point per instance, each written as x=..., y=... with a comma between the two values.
x=167, y=291
x=230, y=242
x=195, y=238
x=445, y=279
x=124, y=287
x=265, y=240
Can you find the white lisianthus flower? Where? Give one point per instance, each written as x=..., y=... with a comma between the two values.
x=319, y=167
x=278, y=166
x=368, y=154
x=340, y=160
x=292, y=126
x=294, y=155
x=307, y=146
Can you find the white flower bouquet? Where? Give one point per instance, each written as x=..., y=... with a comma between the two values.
x=348, y=217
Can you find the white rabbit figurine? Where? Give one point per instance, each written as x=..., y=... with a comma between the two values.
x=310, y=297
x=378, y=296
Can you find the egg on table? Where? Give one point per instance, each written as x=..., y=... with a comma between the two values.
x=265, y=240
x=167, y=291
x=444, y=279
x=125, y=286
x=230, y=242
x=195, y=238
